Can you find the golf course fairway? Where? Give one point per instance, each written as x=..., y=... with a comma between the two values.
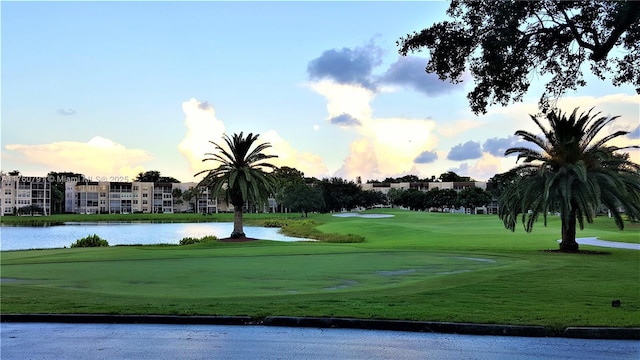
x=411, y=266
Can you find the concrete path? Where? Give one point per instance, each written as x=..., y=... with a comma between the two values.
x=177, y=341
x=602, y=243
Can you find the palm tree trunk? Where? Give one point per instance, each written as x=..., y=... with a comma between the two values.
x=238, y=231
x=568, y=243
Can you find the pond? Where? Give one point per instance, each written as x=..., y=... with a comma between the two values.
x=123, y=233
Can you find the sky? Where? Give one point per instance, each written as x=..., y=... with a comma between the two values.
x=112, y=89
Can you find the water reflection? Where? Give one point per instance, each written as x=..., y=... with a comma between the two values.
x=120, y=233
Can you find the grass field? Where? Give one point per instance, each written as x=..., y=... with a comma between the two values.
x=414, y=266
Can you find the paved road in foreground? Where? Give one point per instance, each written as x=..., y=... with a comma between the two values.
x=154, y=341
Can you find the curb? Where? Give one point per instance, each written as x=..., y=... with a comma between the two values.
x=602, y=333
x=605, y=333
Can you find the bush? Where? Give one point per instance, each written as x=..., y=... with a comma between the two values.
x=275, y=223
x=90, y=241
x=307, y=229
x=190, y=240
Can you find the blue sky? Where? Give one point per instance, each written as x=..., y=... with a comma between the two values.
x=114, y=88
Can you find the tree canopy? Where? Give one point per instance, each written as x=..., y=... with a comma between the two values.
x=572, y=171
x=339, y=194
x=472, y=197
x=451, y=176
x=503, y=44
x=241, y=172
x=302, y=198
x=286, y=175
x=155, y=177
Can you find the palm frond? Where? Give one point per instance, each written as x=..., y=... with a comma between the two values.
x=571, y=173
x=241, y=169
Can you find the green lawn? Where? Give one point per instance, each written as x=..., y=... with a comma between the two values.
x=416, y=266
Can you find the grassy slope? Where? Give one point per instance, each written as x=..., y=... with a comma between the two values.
x=441, y=267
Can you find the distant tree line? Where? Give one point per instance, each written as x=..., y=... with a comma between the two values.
x=448, y=176
x=297, y=193
x=439, y=199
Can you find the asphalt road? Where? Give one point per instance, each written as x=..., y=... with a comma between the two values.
x=156, y=341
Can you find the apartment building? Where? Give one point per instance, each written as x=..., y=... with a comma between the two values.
x=162, y=197
x=92, y=197
x=24, y=192
x=197, y=199
x=423, y=186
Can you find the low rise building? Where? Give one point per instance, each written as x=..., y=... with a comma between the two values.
x=24, y=194
x=423, y=186
x=92, y=197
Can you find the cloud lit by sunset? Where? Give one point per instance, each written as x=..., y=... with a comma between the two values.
x=340, y=102
x=97, y=158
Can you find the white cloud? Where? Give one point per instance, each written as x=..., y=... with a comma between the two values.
x=626, y=106
x=361, y=161
x=202, y=127
x=516, y=116
x=483, y=169
x=459, y=127
x=309, y=164
x=345, y=99
x=99, y=157
x=386, y=146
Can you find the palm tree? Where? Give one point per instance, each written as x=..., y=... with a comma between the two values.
x=241, y=172
x=572, y=174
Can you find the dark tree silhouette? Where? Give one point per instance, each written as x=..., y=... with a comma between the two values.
x=503, y=44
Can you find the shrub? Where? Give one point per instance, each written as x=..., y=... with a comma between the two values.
x=307, y=229
x=90, y=241
x=275, y=223
x=190, y=240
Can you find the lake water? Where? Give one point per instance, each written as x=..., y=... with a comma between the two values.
x=48, y=237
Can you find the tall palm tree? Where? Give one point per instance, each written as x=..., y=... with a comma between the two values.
x=572, y=173
x=242, y=173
